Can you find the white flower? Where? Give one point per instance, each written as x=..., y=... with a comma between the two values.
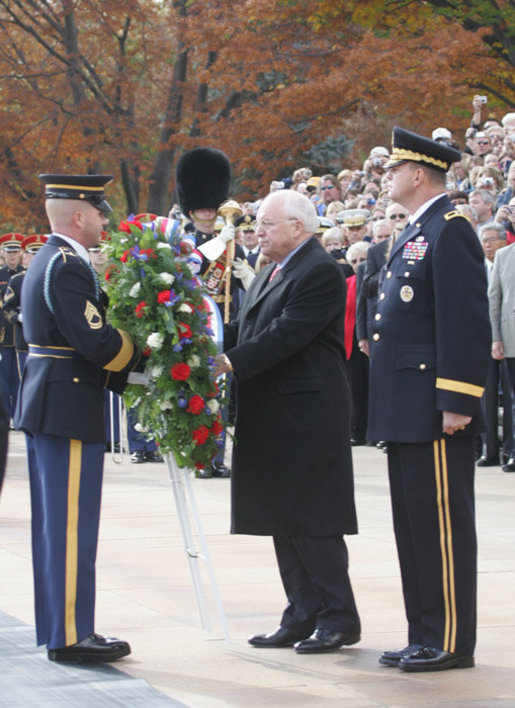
x=134, y=291
x=166, y=278
x=185, y=308
x=166, y=406
x=140, y=428
x=156, y=371
x=155, y=340
x=161, y=244
x=194, y=361
x=213, y=406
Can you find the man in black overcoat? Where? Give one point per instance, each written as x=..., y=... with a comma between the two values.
x=292, y=466
x=429, y=358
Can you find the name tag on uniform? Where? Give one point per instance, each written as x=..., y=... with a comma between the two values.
x=415, y=250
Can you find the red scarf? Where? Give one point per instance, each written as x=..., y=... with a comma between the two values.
x=350, y=315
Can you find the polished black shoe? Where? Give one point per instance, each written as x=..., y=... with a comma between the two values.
x=137, y=457
x=323, y=640
x=152, y=456
x=218, y=469
x=282, y=637
x=392, y=658
x=509, y=466
x=431, y=659
x=93, y=649
x=381, y=444
x=487, y=461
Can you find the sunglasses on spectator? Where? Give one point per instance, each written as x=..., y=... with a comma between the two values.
x=329, y=186
x=398, y=216
x=483, y=142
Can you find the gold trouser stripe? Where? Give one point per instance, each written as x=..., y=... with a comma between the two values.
x=460, y=387
x=72, y=541
x=444, y=522
x=125, y=354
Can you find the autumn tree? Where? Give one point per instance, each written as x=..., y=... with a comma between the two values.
x=103, y=85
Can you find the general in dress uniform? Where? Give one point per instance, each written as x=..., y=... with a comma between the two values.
x=429, y=358
x=73, y=355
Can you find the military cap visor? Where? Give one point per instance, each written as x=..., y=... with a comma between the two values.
x=89, y=188
x=411, y=147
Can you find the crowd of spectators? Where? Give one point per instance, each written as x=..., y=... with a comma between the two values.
x=355, y=211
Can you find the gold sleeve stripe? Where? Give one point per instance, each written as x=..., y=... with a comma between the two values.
x=459, y=387
x=72, y=541
x=124, y=355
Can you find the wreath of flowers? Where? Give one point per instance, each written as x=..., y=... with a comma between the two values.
x=155, y=296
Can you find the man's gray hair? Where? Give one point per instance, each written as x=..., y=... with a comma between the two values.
x=487, y=196
x=296, y=206
x=492, y=226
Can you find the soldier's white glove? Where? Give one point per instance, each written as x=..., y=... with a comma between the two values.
x=244, y=272
x=228, y=233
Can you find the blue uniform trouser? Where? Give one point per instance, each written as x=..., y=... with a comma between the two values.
x=432, y=491
x=9, y=378
x=65, y=483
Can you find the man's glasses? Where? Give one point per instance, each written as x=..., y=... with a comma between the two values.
x=398, y=216
x=483, y=142
x=329, y=186
x=267, y=225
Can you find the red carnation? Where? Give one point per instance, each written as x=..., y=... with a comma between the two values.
x=163, y=296
x=138, y=310
x=109, y=271
x=199, y=465
x=196, y=405
x=124, y=226
x=215, y=391
x=185, y=331
x=180, y=372
x=147, y=351
x=200, y=435
x=217, y=427
x=124, y=257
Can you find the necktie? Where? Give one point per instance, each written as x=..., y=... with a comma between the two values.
x=274, y=273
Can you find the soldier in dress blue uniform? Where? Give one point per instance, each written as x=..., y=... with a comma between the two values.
x=9, y=378
x=73, y=355
x=429, y=359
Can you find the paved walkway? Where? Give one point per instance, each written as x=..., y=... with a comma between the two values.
x=145, y=596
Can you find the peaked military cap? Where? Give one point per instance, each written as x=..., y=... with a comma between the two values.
x=323, y=224
x=202, y=179
x=354, y=218
x=11, y=242
x=32, y=244
x=246, y=223
x=90, y=188
x=411, y=147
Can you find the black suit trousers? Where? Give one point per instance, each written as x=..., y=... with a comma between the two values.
x=314, y=573
x=432, y=491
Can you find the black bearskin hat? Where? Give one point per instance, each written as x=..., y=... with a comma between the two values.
x=202, y=179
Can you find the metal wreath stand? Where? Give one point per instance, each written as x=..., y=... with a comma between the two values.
x=193, y=536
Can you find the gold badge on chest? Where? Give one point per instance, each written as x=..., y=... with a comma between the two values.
x=407, y=293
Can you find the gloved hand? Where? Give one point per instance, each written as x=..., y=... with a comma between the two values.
x=228, y=233
x=244, y=272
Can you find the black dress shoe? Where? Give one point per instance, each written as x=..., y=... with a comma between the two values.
x=325, y=640
x=152, y=456
x=509, y=466
x=93, y=649
x=282, y=637
x=218, y=469
x=392, y=658
x=431, y=659
x=487, y=461
x=137, y=457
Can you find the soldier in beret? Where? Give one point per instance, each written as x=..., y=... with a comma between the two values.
x=73, y=355
x=429, y=358
x=10, y=245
